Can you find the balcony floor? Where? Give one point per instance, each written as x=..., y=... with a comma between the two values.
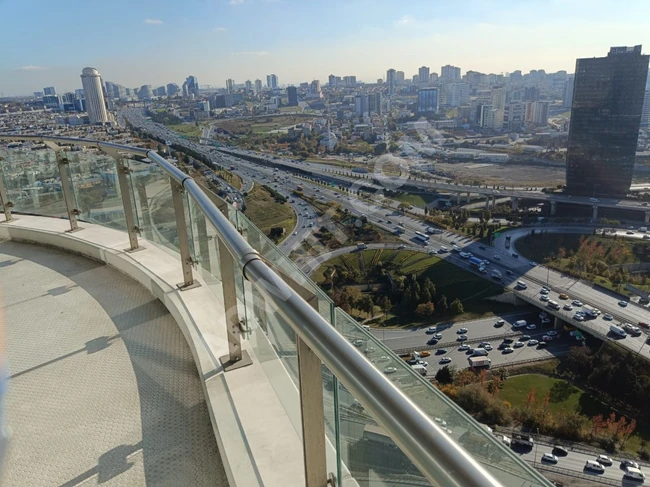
x=103, y=387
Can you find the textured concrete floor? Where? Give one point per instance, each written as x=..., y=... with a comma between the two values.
x=103, y=388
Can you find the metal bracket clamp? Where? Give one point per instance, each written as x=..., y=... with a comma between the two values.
x=62, y=163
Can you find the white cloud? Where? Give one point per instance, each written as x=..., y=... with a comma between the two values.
x=31, y=67
x=236, y=2
x=406, y=19
x=153, y=21
x=219, y=29
x=250, y=53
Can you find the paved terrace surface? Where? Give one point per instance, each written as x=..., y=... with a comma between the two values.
x=103, y=387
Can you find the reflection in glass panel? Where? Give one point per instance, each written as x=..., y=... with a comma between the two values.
x=33, y=182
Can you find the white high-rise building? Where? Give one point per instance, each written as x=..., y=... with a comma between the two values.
x=423, y=74
x=258, y=86
x=391, y=81
x=95, y=105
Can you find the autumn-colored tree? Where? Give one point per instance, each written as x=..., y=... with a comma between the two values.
x=483, y=379
x=597, y=425
x=530, y=399
x=465, y=377
x=628, y=432
x=547, y=398
x=496, y=385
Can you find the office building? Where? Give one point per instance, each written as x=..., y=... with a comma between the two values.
x=50, y=90
x=427, y=101
x=271, y=81
x=606, y=113
x=332, y=81
x=222, y=101
x=52, y=101
x=361, y=104
x=95, y=104
x=160, y=91
x=423, y=74
x=567, y=97
x=433, y=78
x=450, y=73
x=391, y=81
x=531, y=93
x=230, y=86
x=399, y=78
x=645, y=111
x=248, y=86
x=38, y=94
x=374, y=103
x=292, y=96
x=258, y=86
x=349, y=80
x=314, y=89
x=172, y=89
x=516, y=77
x=191, y=86
x=416, y=79
x=145, y=93
x=498, y=102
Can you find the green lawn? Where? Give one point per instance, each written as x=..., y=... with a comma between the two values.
x=187, y=129
x=265, y=212
x=420, y=200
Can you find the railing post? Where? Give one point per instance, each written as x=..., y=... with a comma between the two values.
x=183, y=240
x=310, y=375
x=62, y=164
x=125, y=188
x=4, y=199
x=236, y=357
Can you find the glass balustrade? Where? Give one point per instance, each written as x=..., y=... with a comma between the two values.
x=359, y=451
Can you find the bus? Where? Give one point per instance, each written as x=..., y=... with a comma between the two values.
x=422, y=237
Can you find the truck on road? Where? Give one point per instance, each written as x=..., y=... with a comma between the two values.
x=475, y=362
x=361, y=246
x=475, y=261
x=522, y=440
x=618, y=331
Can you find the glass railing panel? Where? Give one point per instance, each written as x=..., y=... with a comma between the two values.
x=365, y=447
x=33, y=182
x=276, y=259
x=95, y=189
x=153, y=204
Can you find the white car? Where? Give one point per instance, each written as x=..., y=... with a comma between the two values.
x=604, y=460
x=518, y=344
x=390, y=370
x=552, y=333
x=532, y=343
x=578, y=317
x=577, y=303
x=544, y=291
x=463, y=348
x=497, y=257
x=445, y=360
x=532, y=326
x=568, y=307
x=549, y=457
x=544, y=298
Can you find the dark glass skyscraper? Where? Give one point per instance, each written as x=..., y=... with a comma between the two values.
x=292, y=96
x=605, y=115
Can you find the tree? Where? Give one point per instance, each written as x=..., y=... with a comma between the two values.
x=403, y=207
x=425, y=310
x=386, y=305
x=429, y=286
x=445, y=375
x=442, y=305
x=366, y=304
x=456, y=307
x=530, y=399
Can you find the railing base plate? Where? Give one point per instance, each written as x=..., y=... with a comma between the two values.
x=228, y=365
x=75, y=230
x=186, y=287
x=130, y=251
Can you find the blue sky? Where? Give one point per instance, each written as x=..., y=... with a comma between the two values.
x=155, y=42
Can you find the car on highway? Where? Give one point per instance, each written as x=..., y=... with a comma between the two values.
x=483, y=344
x=544, y=298
x=532, y=326
x=488, y=347
x=390, y=370
x=568, y=307
x=441, y=351
x=552, y=333
x=432, y=341
x=415, y=361
x=577, y=303
x=532, y=343
x=579, y=317
x=518, y=344
x=532, y=263
x=608, y=317
x=560, y=451
x=463, y=348
x=544, y=290
x=497, y=257
x=563, y=296
x=444, y=360
x=630, y=232
x=522, y=285
x=460, y=331
x=499, y=323
x=508, y=350
x=516, y=256
x=549, y=457
x=594, y=466
x=542, y=344
x=461, y=338
x=604, y=460
x=509, y=272
x=629, y=463
x=401, y=247
x=622, y=304
x=431, y=330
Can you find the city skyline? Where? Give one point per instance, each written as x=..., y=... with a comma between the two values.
x=223, y=39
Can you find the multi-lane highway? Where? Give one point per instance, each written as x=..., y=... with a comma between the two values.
x=390, y=220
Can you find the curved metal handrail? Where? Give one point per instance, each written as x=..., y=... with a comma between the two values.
x=440, y=459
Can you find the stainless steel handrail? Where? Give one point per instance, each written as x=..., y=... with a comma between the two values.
x=438, y=457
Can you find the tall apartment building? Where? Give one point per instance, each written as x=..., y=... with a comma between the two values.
x=248, y=86
x=361, y=104
x=457, y=94
x=567, y=95
x=487, y=117
x=230, y=86
x=399, y=78
x=95, y=104
x=271, y=81
x=258, y=86
x=50, y=90
x=374, y=103
x=498, y=104
x=191, y=86
x=450, y=73
x=172, y=89
x=606, y=111
x=423, y=74
x=391, y=81
x=514, y=115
